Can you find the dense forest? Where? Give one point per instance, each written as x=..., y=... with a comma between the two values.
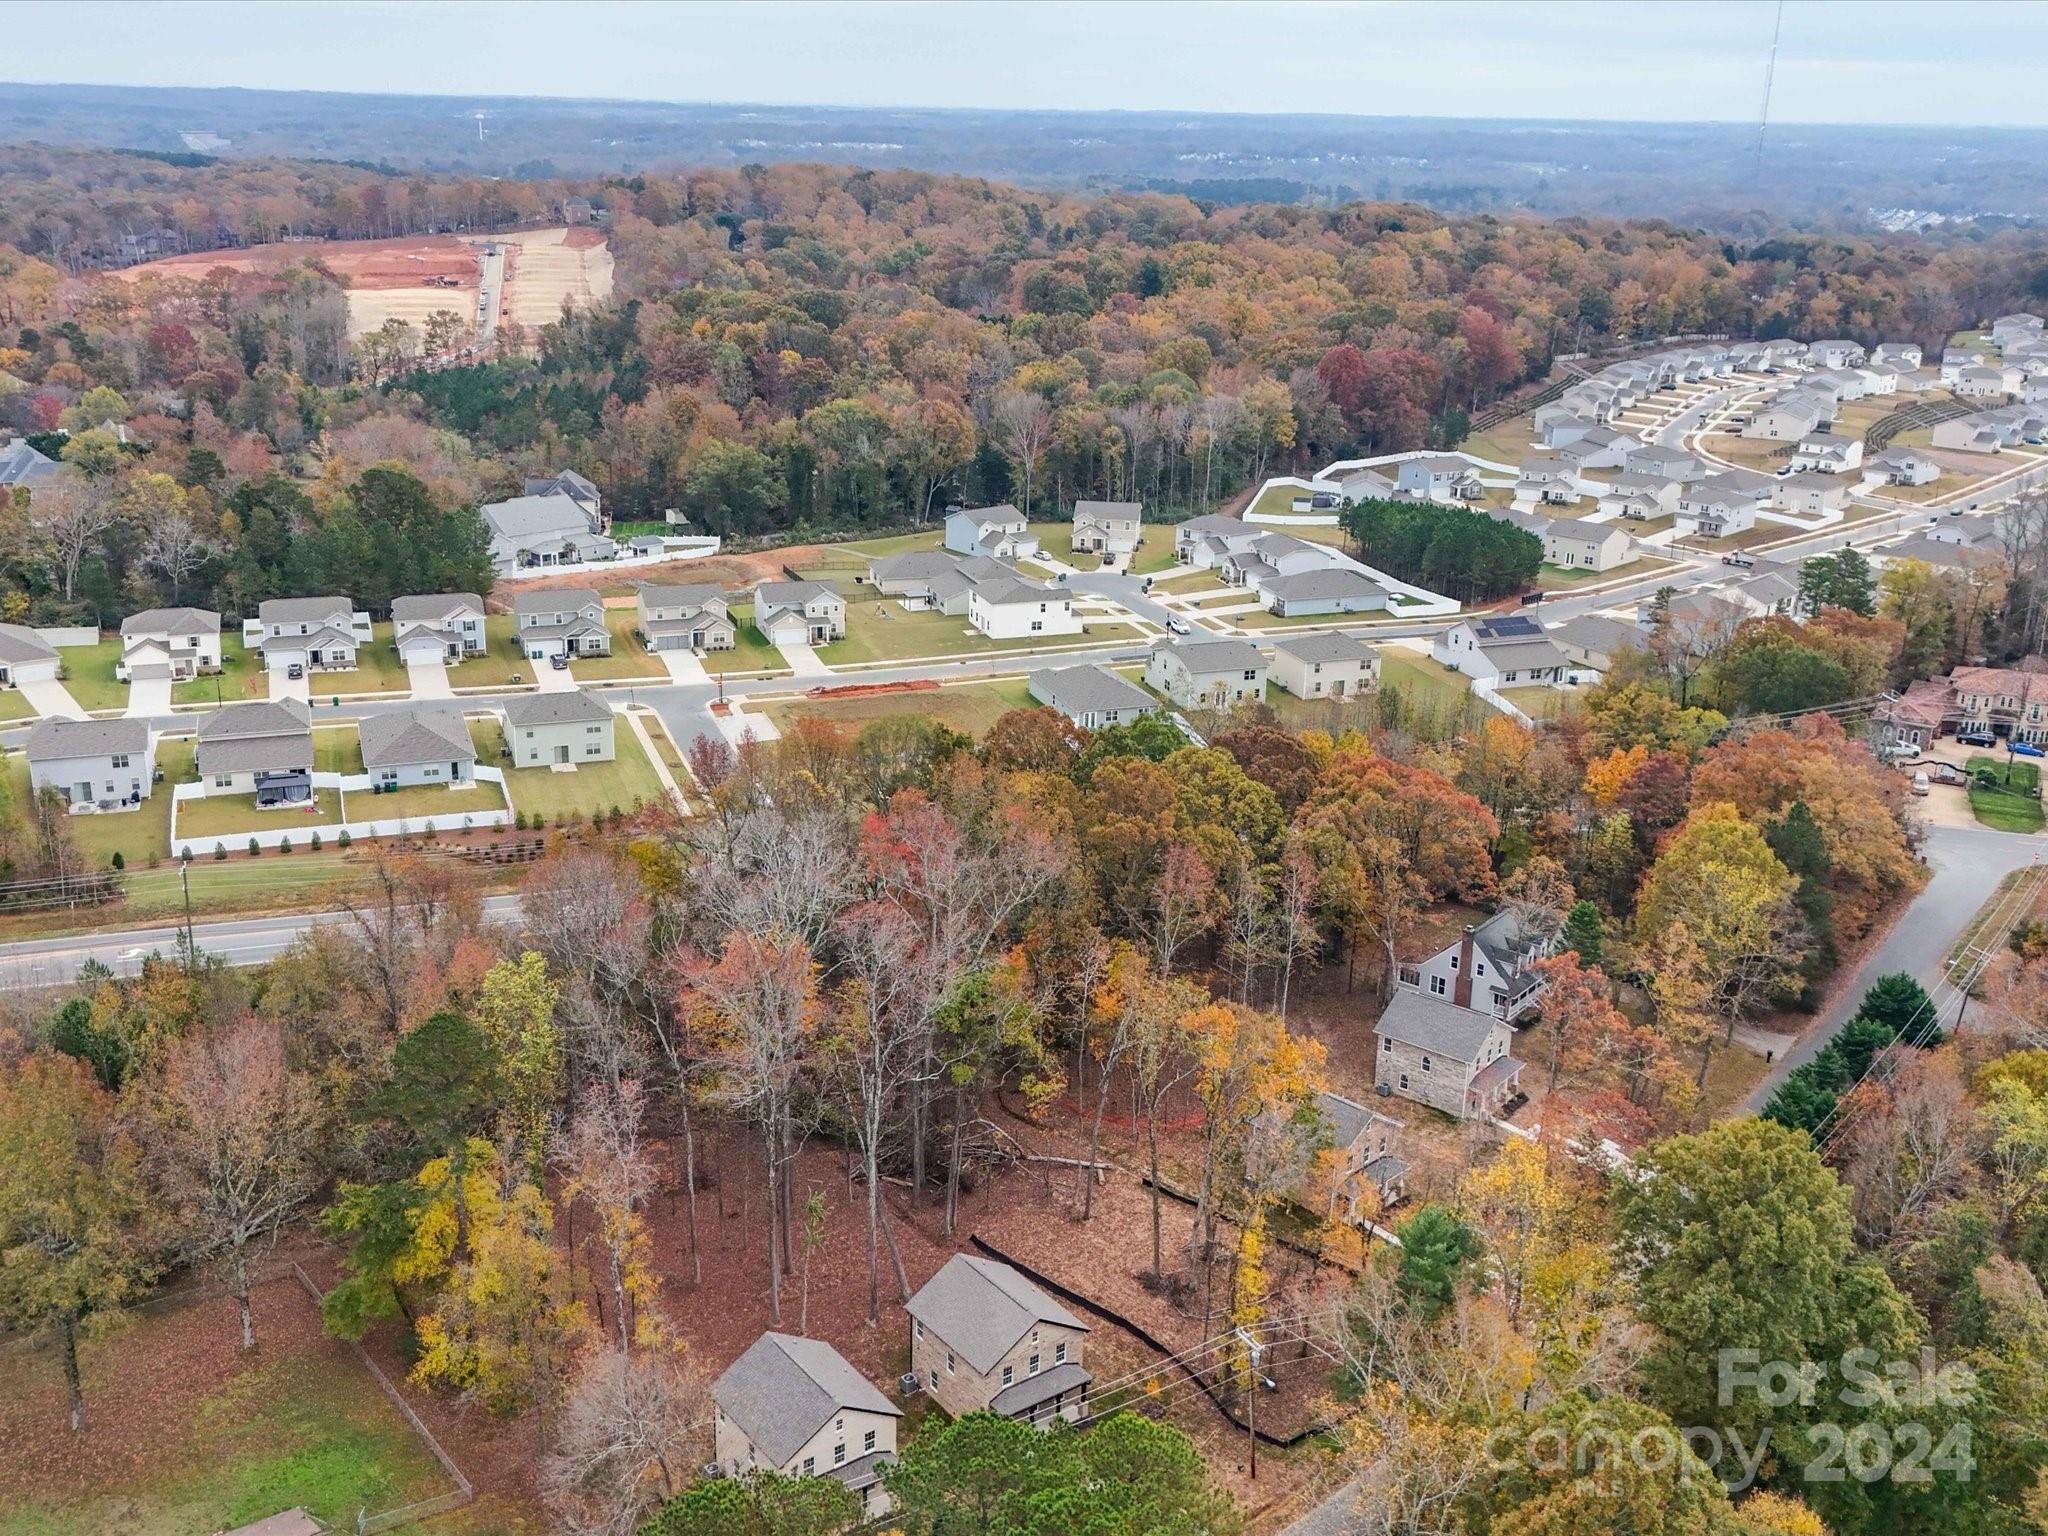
x=799, y=350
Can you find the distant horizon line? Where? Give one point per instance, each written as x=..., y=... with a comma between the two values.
x=1131, y=112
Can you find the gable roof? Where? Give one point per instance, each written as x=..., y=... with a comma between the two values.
x=263, y=735
x=1348, y=1118
x=1331, y=582
x=432, y=607
x=338, y=611
x=564, y=482
x=1325, y=647
x=1078, y=690
x=59, y=737
x=171, y=621
x=1580, y=528
x=1504, y=626
x=1595, y=632
x=21, y=463
x=694, y=594
x=774, y=595
x=554, y=600
x=912, y=565
x=1212, y=655
x=416, y=735
x=1435, y=1025
x=783, y=1390
x=1108, y=514
x=980, y=1309
x=525, y=517
x=1015, y=589
x=257, y=717
x=20, y=643
x=570, y=708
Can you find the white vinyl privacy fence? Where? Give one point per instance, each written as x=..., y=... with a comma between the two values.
x=276, y=828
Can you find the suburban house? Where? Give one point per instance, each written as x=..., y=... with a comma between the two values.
x=317, y=633
x=106, y=765
x=1001, y=532
x=560, y=621
x=175, y=643
x=263, y=748
x=1809, y=493
x=1834, y=354
x=1362, y=1141
x=421, y=745
x=687, y=616
x=1903, y=466
x=1508, y=651
x=1106, y=528
x=1206, y=674
x=794, y=1406
x=1988, y=382
x=1325, y=666
x=1489, y=967
x=1946, y=554
x=1334, y=589
x=1896, y=354
x=1592, y=643
x=1563, y=421
x=1016, y=609
x=2007, y=329
x=931, y=579
x=1576, y=544
x=559, y=730
x=1446, y=1055
x=799, y=613
x=438, y=626
x=1549, y=481
x=25, y=657
x=1790, y=417
x=1206, y=542
x=574, y=486
x=21, y=463
x=1662, y=463
x=554, y=529
x=1600, y=448
x=1719, y=505
x=1438, y=477
x=985, y=1338
x=1633, y=494
x=1094, y=698
x=1989, y=431
x=1827, y=454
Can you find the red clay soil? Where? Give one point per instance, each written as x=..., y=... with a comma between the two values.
x=399, y=263
x=732, y=572
x=857, y=690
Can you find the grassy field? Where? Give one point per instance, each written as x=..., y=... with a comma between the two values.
x=627, y=780
x=232, y=818
x=377, y=670
x=968, y=707
x=13, y=706
x=89, y=674
x=1182, y=583
x=2012, y=804
x=629, y=657
x=138, y=836
x=241, y=676
x=885, y=631
x=749, y=653
x=1508, y=443
x=1423, y=678
x=337, y=749
x=423, y=800
x=189, y=1438
x=1539, y=703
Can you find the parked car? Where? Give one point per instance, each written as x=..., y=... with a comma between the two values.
x=559, y=663
x=1739, y=560
x=2027, y=749
x=1920, y=783
x=1180, y=626
x=1977, y=738
x=1949, y=773
x=295, y=671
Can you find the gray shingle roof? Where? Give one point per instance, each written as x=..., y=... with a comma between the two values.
x=783, y=1390
x=22, y=464
x=1348, y=1118
x=529, y=517
x=555, y=600
x=1109, y=514
x=980, y=1308
x=1434, y=1025
x=266, y=734
x=773, y=595
x=416, y=735
x=569, y=708
x=1594, y=632
x=1200, y=656
x=1304, y=586
x=912, y=565
x=308, y=610
x=171, y=621
x=432, y=607
x=60, y=738
x=1030, y=1391
x=20, y=643
x=1015, y=589
x=1325, y=647
x=1580, y=528
x=1078, y=690
x=693, y=594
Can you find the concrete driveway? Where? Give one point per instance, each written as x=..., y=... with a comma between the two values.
x=429, y=680
x=148, y=696
x=50, y=698
x=284, y=686
x=553, y=679
x=683, y=666
x=803, y=661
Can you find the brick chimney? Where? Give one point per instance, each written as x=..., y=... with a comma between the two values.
x=1461, y=989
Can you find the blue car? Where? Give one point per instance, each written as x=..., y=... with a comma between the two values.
x=2027, y=749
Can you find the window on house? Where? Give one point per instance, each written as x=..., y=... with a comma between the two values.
x=1411, y=975
x=1478, y=967
x=1404, y=1082
x=1059, y=1354
x=950, y=1366
x=839, y=1454
x=917, y=1328
x=1033, y=1370
x=1425, y=1064
x=935, y=1378
x=1454, y=962
x=1009, y=1374
x=121, y=760
x=1436, y=986
x=810, y=1466
x=867, y=1442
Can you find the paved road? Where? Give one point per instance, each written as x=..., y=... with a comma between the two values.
x=239, y=941
x=490, y=291
x=1966, y=865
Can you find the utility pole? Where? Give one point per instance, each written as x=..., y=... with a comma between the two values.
x=185, y=879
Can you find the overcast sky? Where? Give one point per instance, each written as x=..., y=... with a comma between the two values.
x=1975, y=62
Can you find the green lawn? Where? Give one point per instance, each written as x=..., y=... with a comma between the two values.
x=1509, y=443
x=241, y=675
x=1276, y=500
x=627, y=780
x=749, y=653
x=88, y=672
x=968, y=707
x=232, y=818
x=138, y=835
x=192, y=1438
x=2012, y=803
x=337, y=749
x=629, y=657
x=1423, y=678
x=422, y=800
x=885, y=631
x=13, y=706
x=1539, y=703
x=500, y=664
x=377, y=670
x=1182, y=582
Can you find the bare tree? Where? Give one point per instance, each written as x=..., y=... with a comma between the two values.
x=606, y=1165
x=229, y=1134
x=1023, y=421
x=72, y=514
x=588, y=913
x=173, y=547
x=625, y=1441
